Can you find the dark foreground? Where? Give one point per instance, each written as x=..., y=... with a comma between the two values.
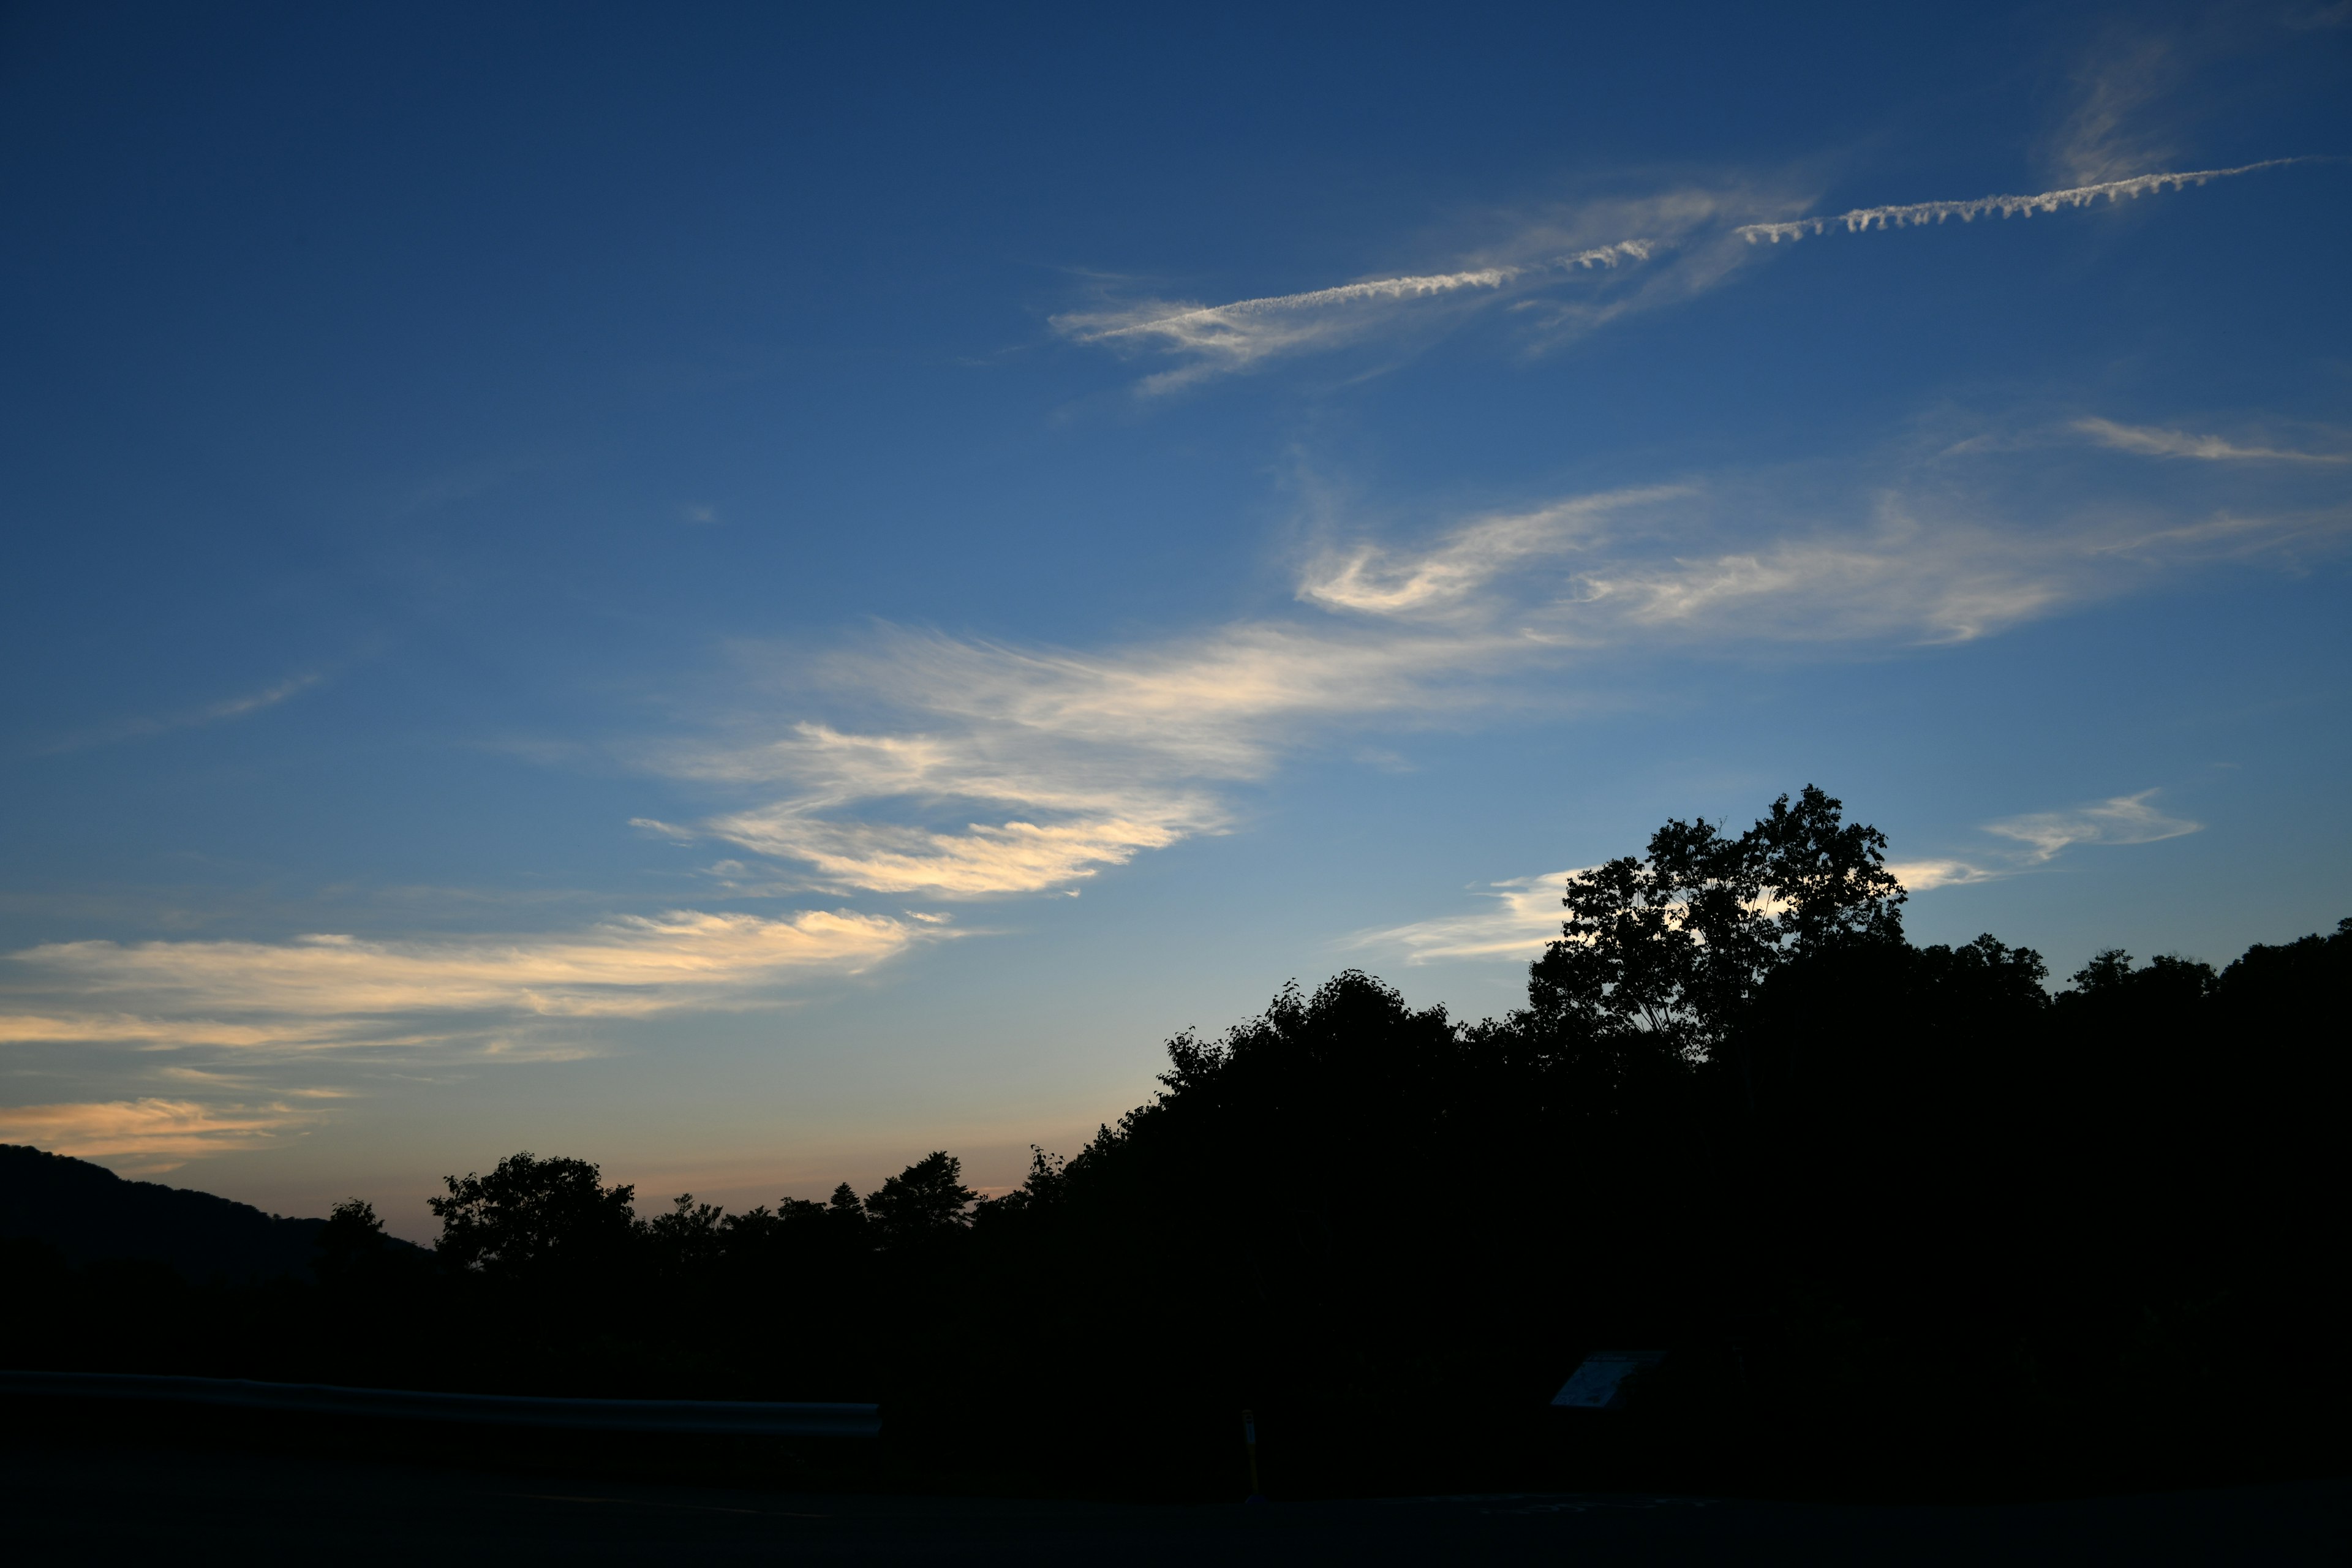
x=77, y=1501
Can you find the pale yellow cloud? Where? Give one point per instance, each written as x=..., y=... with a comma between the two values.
x=325, y=990
x=128, y=1027
x=155, y=1134
x=1522, y=917
x=990, y=770
x=1209, y=704
x=1098, y=756
x=1926, y=876
x=1368, y=577
x=982, y=859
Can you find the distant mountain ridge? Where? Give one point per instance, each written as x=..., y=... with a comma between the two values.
x=91, y=1215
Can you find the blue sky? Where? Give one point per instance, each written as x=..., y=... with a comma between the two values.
x=746, y=594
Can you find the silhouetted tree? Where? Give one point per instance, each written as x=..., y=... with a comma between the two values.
x=352, y=1244
x=1670, y=947
x=688, y=1241
x=925, y=1200
x=1041, y=1192
x=531, y=1218
x=1888, y=1205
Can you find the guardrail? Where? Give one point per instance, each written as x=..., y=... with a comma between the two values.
x=740, y=1417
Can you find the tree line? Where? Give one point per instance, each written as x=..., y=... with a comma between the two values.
x=1901, y=1215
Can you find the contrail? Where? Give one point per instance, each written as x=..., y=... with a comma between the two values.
x=1346, y=293
x=2007, y=207
x=1175, y=322
x=1243, y=330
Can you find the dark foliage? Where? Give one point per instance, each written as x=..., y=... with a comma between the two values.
x=542, y=1223
x=1904, y=1220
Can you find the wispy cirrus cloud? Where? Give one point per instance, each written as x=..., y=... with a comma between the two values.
x=1522, y=917
x=1901, y=578
x=1368, y=577
x=2044, y=834
x=978, y=770
x=2110, y=131
x=2123, y=819
x=1238, y=335
x=1569, y=274
x=237, y=707
x=148, y=1136
x=1926, y=876
x=1086, y=759
x=328, y=992
x=134, y=1029
x=2152, y=441
x=980, y=860
x=1570, y=268
x=1684, y=563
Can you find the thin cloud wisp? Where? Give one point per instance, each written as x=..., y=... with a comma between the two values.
x=2125, y=819
x=1686, y=242
x=1238, y=334
x=195, y=719
x=322, y=992
x=1525, y=916
x=976, y=770
x=2151, y=441
x=149, y=1136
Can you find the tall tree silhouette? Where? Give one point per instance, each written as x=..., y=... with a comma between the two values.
x=923, y=1201
x=534, y=1219
x=1671, y=945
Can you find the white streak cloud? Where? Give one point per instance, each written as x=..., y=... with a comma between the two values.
x=193, y=719
x=1651, y=565
x=155, y=1136
x=2125, y=819
x=320, y=992
x=2150, y=441
x=983, y=859
x=1912, y=215
x=1670, y=248
x=2042, y=836
x=1525, y=916
x=978, y=770
x=1368, y=578
x=1238, y=334
x=1926, y=876
x=1093, y=757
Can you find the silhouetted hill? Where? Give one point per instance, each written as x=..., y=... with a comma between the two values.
x=90, y=1214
